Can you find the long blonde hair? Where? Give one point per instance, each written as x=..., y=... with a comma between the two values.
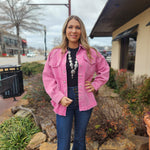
x=83, y=38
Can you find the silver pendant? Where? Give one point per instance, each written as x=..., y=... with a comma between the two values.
x=73, y=70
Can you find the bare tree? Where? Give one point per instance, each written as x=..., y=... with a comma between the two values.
x=56, y=41
x=19, y=15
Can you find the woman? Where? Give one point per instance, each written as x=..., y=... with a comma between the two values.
x=67, y=79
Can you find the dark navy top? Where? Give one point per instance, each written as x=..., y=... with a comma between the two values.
x=72, y=82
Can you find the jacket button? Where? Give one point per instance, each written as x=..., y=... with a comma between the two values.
x=64, y=81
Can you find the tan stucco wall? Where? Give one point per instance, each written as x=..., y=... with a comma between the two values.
x=115, y=58
x=142, y=59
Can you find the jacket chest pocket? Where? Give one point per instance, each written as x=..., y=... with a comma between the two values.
x=54, y=64
x=55, y=67
x=90, y=65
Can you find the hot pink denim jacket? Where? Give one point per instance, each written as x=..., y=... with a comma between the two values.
x=55, y=77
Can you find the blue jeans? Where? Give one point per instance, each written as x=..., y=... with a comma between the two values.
x=64, y=124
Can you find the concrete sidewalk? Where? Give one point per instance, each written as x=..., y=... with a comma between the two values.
x=6, y=103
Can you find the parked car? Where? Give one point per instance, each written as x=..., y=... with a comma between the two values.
x=103, y=53
x=31, y=54
x=108, y=58
x=108, y=53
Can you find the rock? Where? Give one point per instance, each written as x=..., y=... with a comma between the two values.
x=22, y=102
x=92, y=145
x=22, y=113
x=140, y=142
x=105, y=91
x=37, y=139
x=95, y=145
x=110, y=107
x=48, y=146
x=7, y=114
x=17, y=108
x=48, y=126
x=129, y=132
x=118, y=144
x=114, y=94
x=109, y=103
x=14, y=110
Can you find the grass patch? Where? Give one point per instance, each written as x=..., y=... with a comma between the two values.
x=16, y=132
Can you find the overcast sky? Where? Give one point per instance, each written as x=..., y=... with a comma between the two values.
x=53, y=17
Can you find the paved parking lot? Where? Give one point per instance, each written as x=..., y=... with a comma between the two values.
x=14, y=60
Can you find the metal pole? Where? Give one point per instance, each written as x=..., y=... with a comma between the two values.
x=45, y=42
x=69, y=3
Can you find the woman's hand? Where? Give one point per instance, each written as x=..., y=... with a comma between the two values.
x=65, y=101
x=89, y=86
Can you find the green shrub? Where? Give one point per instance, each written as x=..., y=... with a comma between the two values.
x=137, y=97
x=112, y=82
x=32, y=68
x=144, y=94
x=121, y=77
x=117, y=79
x=16, y=132
x=127, y=93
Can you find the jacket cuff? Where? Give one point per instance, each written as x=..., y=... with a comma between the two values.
x=58, y=97
x=95, y=85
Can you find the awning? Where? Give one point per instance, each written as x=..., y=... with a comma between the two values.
x=148, y=24
x=117, y=13
x=126, y=33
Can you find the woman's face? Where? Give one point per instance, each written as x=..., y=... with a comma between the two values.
x=73, y=31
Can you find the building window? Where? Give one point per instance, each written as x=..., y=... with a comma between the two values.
x=16, y=43
x=128, y=53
